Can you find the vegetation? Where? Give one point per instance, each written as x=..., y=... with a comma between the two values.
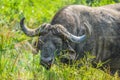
x=16, y=60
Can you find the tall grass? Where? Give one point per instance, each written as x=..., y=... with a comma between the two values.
x=16, y=59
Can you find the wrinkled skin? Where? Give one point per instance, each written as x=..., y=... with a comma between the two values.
x=50, y=46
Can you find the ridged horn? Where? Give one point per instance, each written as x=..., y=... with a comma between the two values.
x=76, y=39
x=27, y=31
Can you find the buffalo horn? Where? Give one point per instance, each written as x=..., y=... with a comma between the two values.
x=71, y=37
x=27, y=31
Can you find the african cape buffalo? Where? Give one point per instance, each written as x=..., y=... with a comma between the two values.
x=78, y=29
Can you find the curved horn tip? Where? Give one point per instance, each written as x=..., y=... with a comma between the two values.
x=23, y=18
x=22, y=21
x=78, y=39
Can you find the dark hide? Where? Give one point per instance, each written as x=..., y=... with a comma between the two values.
x=101, y=25
x=104, y=23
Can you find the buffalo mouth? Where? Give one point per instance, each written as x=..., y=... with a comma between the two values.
x=46, y=65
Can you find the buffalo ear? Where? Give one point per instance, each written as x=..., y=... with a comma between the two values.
x=68, y=56
x=71, y=54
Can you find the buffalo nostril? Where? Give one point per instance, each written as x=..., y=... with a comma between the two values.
x=50, y=61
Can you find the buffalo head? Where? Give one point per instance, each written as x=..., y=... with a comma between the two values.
x=52, y=39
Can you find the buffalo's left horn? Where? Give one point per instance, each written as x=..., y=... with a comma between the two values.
x=77, y=39
x=27, y=31
x=71, y=37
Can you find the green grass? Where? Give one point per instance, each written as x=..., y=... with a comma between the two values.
x=16, y=59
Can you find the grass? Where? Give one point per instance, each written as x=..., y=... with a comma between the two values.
x=16, y=60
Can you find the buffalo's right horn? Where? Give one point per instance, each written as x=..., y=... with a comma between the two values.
x=27, y=31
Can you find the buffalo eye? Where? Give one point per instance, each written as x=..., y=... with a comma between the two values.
x=57, y=43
